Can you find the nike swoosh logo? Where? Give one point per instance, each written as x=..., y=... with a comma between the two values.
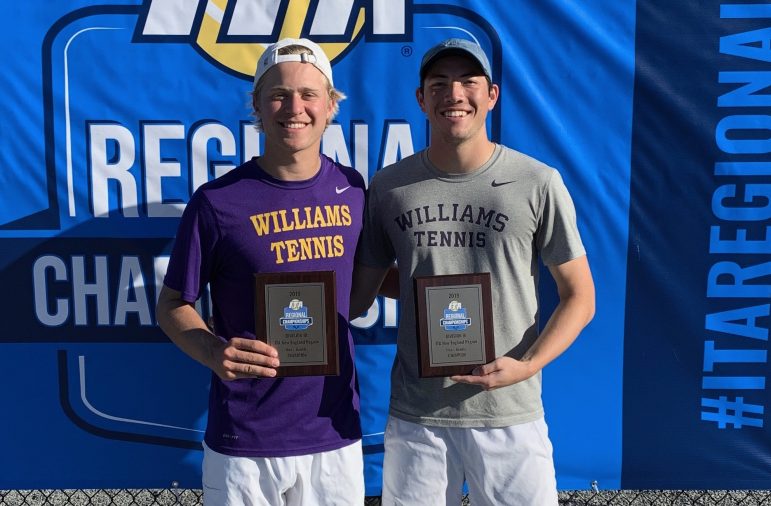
x=340, y=190
x=496, y=184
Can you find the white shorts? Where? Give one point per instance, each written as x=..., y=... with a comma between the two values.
x=426, y=466
x=335, y=477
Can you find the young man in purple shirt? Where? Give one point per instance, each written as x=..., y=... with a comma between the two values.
x=275, y=441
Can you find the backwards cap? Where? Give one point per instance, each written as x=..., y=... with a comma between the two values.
x=272, y=57
x=455, y=46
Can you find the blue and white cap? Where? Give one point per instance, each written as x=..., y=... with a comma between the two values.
x=272, y=57
x=455, y=46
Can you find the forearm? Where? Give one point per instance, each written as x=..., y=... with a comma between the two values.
x=570, y=316
x=185, y=327
x=574, y=311
x=565, y=324
x=364, y=288
x=390, y=285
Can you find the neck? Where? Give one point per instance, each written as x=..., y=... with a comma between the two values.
x=460, y=158
x=297, y=166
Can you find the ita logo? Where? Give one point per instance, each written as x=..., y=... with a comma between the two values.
x=235, y=33
x=296, y=316
x=455, y=317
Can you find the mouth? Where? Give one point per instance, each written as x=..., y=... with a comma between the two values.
x=293, y=125
x=455, y=114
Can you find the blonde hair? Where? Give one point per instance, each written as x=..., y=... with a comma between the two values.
x=335, y=95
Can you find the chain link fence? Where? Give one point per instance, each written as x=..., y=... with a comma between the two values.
x=188, y=497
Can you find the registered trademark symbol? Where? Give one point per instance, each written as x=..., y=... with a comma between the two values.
x=406, y=50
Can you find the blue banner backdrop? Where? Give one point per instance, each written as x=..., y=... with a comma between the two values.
x=115, y=112
x=696, y=331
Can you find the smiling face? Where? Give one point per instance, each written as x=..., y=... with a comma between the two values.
x=456, y=97
x=294, y=106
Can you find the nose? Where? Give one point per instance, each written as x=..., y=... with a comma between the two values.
x=454, y=92
x=294, y=103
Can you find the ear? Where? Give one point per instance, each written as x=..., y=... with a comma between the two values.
x=419, y=96
x=331, y=103
x=493, y=96
x=255, y=104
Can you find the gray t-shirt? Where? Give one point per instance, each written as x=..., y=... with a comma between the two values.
x=498, y=219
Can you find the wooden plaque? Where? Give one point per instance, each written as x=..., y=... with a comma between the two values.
x=296, y=312
x=454, y=320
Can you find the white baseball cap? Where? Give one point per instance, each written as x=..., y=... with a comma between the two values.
x=272, y=57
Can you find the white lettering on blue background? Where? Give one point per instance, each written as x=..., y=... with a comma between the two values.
x=136, y=178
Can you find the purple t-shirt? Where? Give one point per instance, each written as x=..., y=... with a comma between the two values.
x=247, y=222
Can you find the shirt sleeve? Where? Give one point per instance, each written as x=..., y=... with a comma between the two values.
x=192, y=256
x=558, y=239
x=374, y=249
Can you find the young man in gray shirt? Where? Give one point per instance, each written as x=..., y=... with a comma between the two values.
x=468, y=205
